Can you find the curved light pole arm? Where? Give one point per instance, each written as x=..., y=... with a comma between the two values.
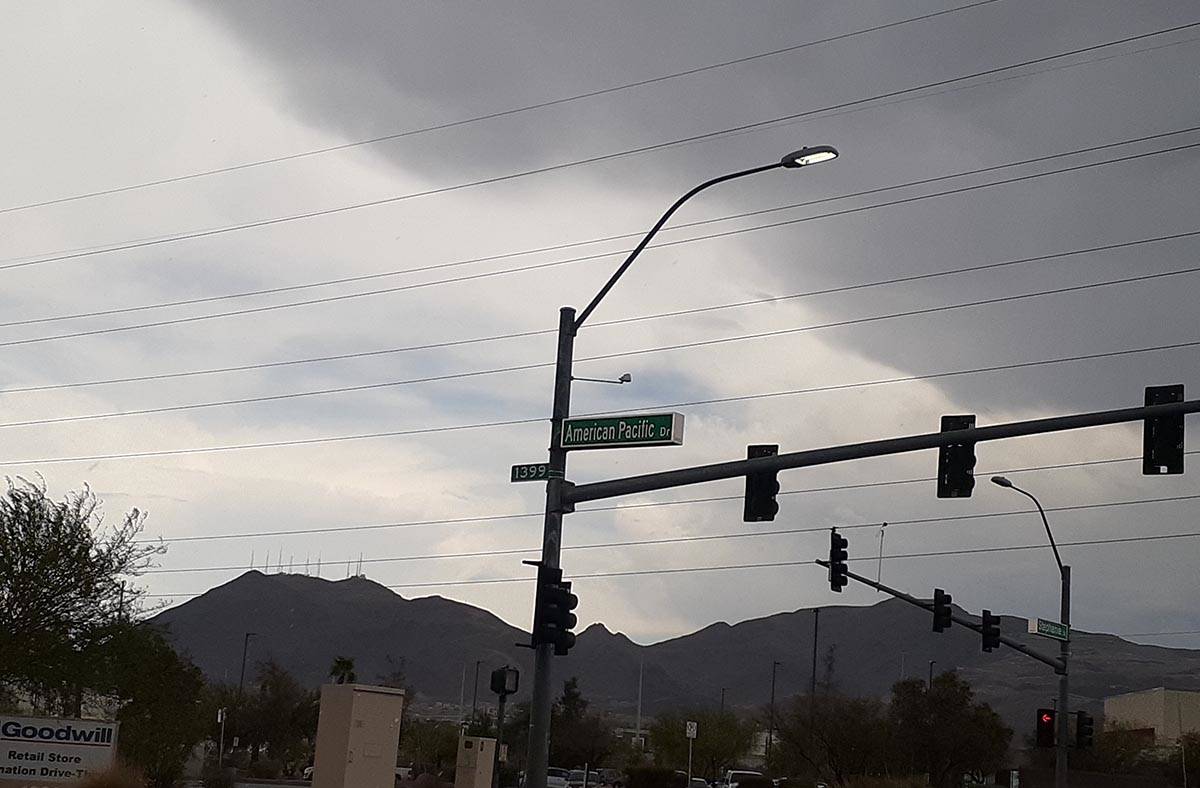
x=1045, y=522
x=658, y=226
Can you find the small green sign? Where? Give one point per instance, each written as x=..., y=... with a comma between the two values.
x=533, y=472
x=648, y=429
x=1049, y=629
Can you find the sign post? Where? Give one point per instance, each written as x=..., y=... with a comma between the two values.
x=42, y=751
x=692, y=729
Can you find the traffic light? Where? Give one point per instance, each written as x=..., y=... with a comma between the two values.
x=1162, y=437
x=505, y=680
x=1085, y=730
x=956, y=462
x=941, y=610
x=837, y=561
x=991, y=631
x=761, y=488
x=552, y=616
x=1045, y=727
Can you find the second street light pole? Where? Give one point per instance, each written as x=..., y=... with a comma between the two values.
x=568, y=327
x=1060, y=745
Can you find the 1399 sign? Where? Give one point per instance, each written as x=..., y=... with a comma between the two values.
x=533, y=472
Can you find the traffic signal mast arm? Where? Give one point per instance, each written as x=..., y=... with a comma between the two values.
x=957, y=619
x=566, y=494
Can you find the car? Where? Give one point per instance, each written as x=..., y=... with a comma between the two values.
x=614, y=778
x=736, y=777
x=556, y=777
x=576, y=779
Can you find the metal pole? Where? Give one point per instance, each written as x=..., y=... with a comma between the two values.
x=475, y=692
x=723, y=699
x=221, y=746
x=691, y=741
x=663, y=480
x=932, y=662
x=1060, y=761
x=641, y=671
x=812, y=688
x=771, y=724
x=237, y=704
x=499, y=740
x=539, y=709
x=1182, y=741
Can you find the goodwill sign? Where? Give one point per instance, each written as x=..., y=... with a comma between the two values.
x=40, y=751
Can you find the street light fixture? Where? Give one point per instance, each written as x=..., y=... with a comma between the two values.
x=811, y=155
x=1060, y=760
x=568, y=327
x=625, y=378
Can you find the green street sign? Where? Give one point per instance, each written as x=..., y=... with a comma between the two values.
x=1049, y=629
x=614, y=432
x=533, y=472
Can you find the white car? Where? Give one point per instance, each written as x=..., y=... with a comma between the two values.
x=556, y=778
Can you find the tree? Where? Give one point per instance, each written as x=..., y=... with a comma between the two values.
x=64, y=588
x=577, y=738
x=342, y=670
x=943, y=732
x=279, y=716
x=836, y=737
x=159, y=714
x=723, y=740
x=431, y=746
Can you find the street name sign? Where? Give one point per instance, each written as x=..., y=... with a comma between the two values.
x=1049, y=629
x=615, y=432
x=533, y=472
x=41, y=751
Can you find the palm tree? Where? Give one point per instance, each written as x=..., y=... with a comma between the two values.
x=342, y=670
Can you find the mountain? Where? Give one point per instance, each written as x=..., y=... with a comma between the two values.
x=304, y=622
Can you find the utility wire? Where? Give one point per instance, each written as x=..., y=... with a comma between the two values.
x=619, y=321
x=490, y=274
x=491, y=115
x=612, y=508
x=779, y=564
x=588, y=242
x=621, y=354
x=589, y=160
x=880, y=105
x=705, y=537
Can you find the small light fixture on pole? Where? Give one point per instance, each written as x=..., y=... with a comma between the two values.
x=625, y=378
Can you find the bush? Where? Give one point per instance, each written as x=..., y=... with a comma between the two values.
x=117, y=777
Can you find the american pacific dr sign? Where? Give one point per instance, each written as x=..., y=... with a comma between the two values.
x=45, y=751
x=646, y=429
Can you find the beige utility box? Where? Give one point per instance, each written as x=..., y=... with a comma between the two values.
x=473, y=769
x=358, y=734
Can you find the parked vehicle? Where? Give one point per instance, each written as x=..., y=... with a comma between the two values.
x=745, y=778
x=556, y=777
x=575, y=779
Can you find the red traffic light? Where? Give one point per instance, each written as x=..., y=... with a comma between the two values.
x=1047, y=718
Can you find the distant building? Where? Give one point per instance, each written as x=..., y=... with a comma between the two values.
x=1166, y=713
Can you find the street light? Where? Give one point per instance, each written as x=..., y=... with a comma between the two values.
x=1060, y=760
x=568, y=327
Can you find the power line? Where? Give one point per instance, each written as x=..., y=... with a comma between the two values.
x=587, y=242
x=779, y=564
x=708, y=537
x=619, y=321
x=491, y=115
x=879, y=105
x=621, y=354
x=501, y=272
x=588, y=160
x=619, y=507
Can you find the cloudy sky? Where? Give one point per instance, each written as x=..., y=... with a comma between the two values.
x=1044, y=147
